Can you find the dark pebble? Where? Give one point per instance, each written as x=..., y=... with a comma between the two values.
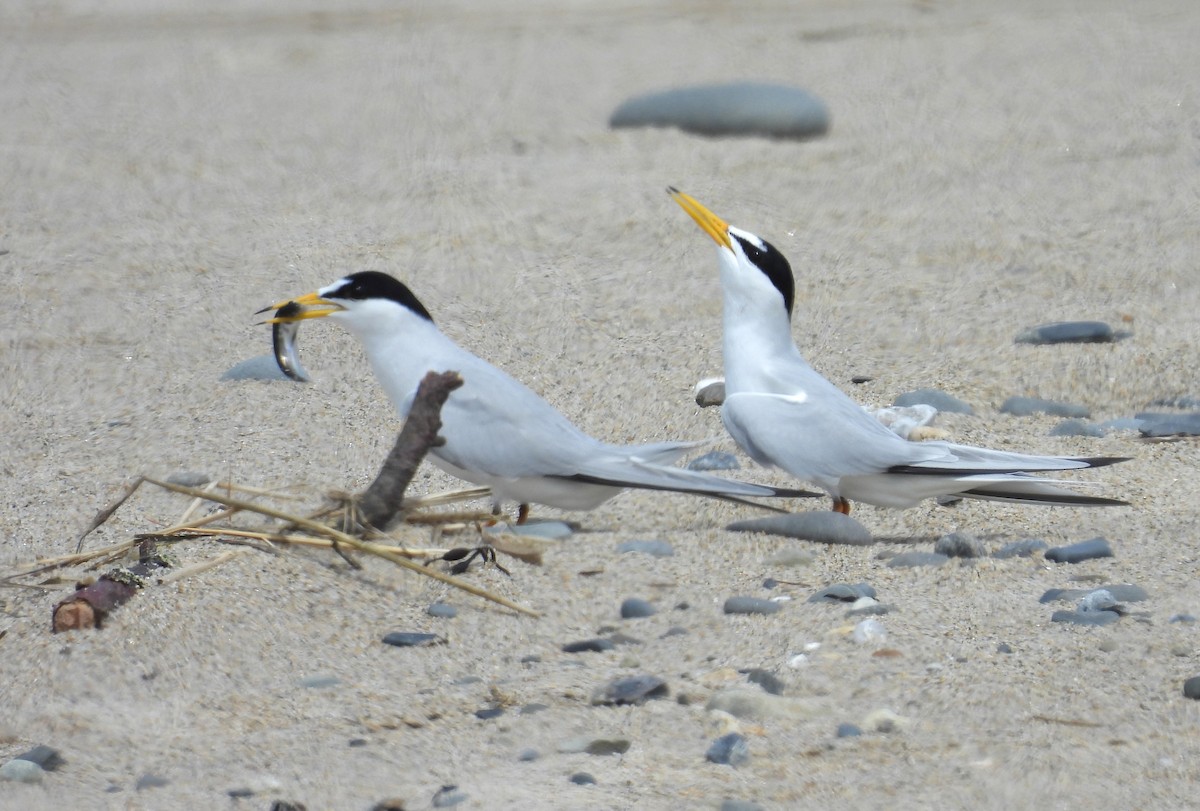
x=740, y=805
x=1086, y=617
x=822, y=526
x=406, y=639
x=288, y=805
x=528, y=755
x=1077, y=428
x=151, y=780
x=1191, y=688
x=488, y=713
x=1068, y=332
x=448, y=797
x=1020, y=549
x=938, y=399
x=45, y=756
x=914, y=558
x=583, y=779
x=715, y=460
x=1160, y=424
x=848, y=730
x=390, y=804
x=442, y=610
x=729, y=750
x=631, y=690
x=1079, y=552
x=658, y=549
x=959, y=545
x=750, y=605
x=1124, y=592
x=740, y=108
x=607, y=746
x=770, y=583
x=842, y=593
x=1004, y=647
x=588, y=646
x=766, y=680
x=1028, y=406
x=355, y=743
x=636, y=608
x=711, y=395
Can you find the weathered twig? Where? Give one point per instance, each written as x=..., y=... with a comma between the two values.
x=107, y=512
x=87, y=607
x=380, y=502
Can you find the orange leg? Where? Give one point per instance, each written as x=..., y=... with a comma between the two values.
x=841, y=505
x=522, y=514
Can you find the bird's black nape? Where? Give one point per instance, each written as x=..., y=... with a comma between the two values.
x=368, y=284
x=774, y=264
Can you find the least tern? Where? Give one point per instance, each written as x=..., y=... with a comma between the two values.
x=784, y=414
x=498, y=433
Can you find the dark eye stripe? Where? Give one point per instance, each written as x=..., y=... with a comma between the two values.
x=373, y=284
x=775, y=265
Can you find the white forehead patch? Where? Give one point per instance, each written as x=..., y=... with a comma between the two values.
x=753, y=239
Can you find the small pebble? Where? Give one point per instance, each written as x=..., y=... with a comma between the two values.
x=1068, y=332
x=848, y=730
x=916, y=558
x=766, y=680
x=188, y=478
x=739, y=108
x=319, y=682
x=959, y=545
x=442, y=610
x=537, y=528
x=488, y=713
x=45, y=756
x=1020, y=549
x=729, y=750
x=867, y=607
x=1028, y=406
x=715, y=460
x=528, y=755
x=588, y=646
x=750, y=605
x=1077, y=428
x=1123, y=592
x=740, y=805
x=1079, y=552
x=1191, y=688
x=406, y=639
x=1004, y=647
x=152, y=780
x=843, y=593
x=710, y=392
x=583, y=779
x=658, y=549
x=675, y=630
x=1099, y=600
x=533, y=708
x=869, y=632
x=1085, y=617
x=1159, y=425
x=822, y=526
x=1186, y=619
x=448, y=797
x=631, y=690
x=938, y=399
x=637, y=608
x=22, y=771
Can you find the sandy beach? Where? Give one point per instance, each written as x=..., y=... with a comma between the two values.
x=167, y=171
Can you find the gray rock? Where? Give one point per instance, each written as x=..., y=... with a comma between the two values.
x=1099, y=600
x=1079, y=552
x=658, y=549
x=742, y=108
x=150, y=781
x=822, y=526
x=407, y=639
x=631, y=690
x=448, y=797
x=187, y=478
x=766, y=680
x=740, y=805
x=1020, y=549
x=729, y=750
x=1191, y=688
x=637, y=608
x=711, y=395
x=442, y=610
x=1028, y=406
x=1068, y=332
x=528, y=755
x=22, y=771
x=1156, y=424
x=750, y=605
x=842, y=593
x=1186, y=619
x=319, y=682
x=45, y=756
x=259, y=367
x=588, y=646
x=959, y=545
x=938, y=399
x=1085, y=617
x=715, y=460
x=915, y=558
x=1124, y=592
x=583, y=779
x=1077, y=428
x=848, y=730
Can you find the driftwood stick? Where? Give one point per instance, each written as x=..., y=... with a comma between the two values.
x=87, y=607
x=107, y=512
x=380, y=502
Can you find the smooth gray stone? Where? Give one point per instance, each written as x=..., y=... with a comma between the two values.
x=1124, y=592
x=528, y=755
x=1085, y=617
x=1079, y=552
x=848, y=730
x=1191, y=688
x=1163, y=424
x=631, y=690
x=259, y=367
x=1028, y=406
x=1068, y=332
x=1098, y=600
x=740, y=805
x=959, y=545
x=186, y=478
x=588, y=646
x=910, y=559
x=1077, y=428
x=658, y=549
x=766, y=680
x=740, y=108
x=711, y=395
x=842, y=593
x=1186, y=619
x=715, y=460
x=407, y=639
x=729, y=750
x=824, y=526
x=319, y=682
x=583, y=779
x=750, y=605
x=45, y=756
x=637, y=608
x=22, y=771
x=938, y=399
x=149, y=780
x=1020, y=549
x=442, y=610
x=448, y=797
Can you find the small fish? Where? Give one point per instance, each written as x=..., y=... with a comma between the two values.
x=283, y=337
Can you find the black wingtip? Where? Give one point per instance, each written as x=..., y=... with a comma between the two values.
x=1101, y=461
x=1063, y=500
